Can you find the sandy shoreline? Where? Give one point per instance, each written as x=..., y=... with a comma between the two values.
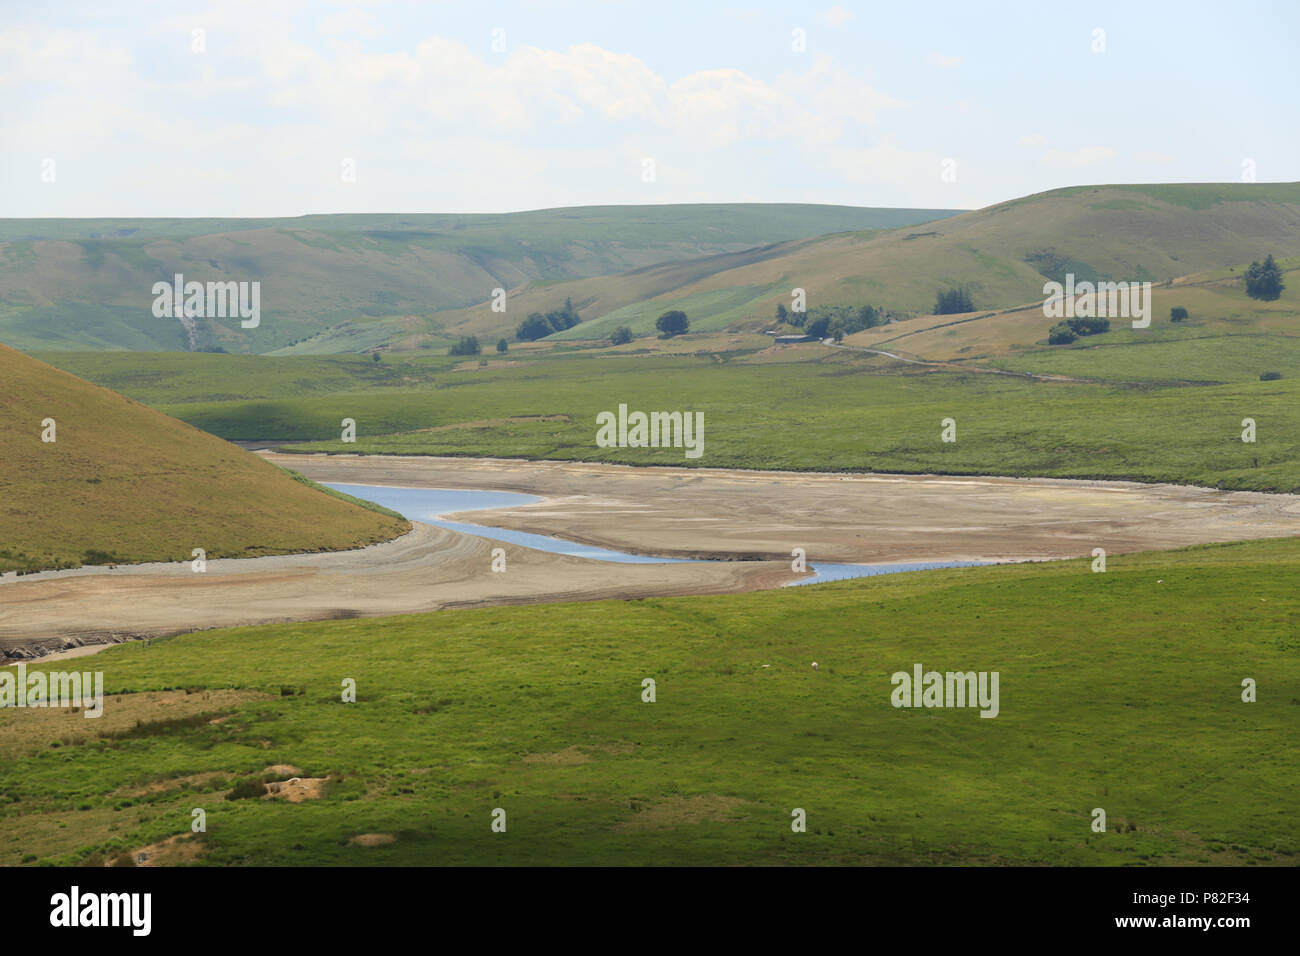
x=750, y=520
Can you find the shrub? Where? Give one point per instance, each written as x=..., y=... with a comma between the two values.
x=621, y=336
x=1177, y=314
x=1270, y=376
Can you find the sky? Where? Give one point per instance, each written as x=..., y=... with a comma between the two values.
x=284, y=108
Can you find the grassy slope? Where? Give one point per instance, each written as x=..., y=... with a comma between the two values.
x=127, y=480
x=797, y=408
x=348, y=283
x=1118, y=690
x=1002, y=253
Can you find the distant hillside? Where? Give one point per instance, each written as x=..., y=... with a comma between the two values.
x=347, y=283
x=1002, y=254
x=124, y=483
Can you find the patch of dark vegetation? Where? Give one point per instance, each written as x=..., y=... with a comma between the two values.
x=538, y=326
x=1264, y=280
x=835, y=321
x=953, y=301
x=1063, y=333
x=1052, y=265
x=1270, y=376
x=247, y=789
x=157, y=728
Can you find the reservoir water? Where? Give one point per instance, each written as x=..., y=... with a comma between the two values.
x=428, y=505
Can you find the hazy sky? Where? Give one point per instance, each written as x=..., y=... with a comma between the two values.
x=494, y=106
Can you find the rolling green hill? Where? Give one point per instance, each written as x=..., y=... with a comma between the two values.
x=1003, y=254
x=348, y=283
x=124, y=483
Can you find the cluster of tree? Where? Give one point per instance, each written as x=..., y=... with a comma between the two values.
x=951, y=301
x=672, y=323
x=467, y=345
x=1063, y=333
x=538, y=326
x=835, y=321
x=1264, y=280
x=621, y=335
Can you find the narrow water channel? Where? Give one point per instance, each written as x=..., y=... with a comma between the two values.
x=427, y=505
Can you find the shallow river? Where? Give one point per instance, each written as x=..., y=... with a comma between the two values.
x=429, y=504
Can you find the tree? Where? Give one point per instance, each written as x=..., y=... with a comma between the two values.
x=672, y=323
x=953, y=300
x=622, y=335
x=533, y=328
x=374, y=356
x=1264, y=281
x=818, y=326
x=503, y=346
x=1177, y=314
x=468, y=345
x=781, y=312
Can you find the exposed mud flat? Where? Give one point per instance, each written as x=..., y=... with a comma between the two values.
x=750, y=520
x=428, y=569
x=863, y=519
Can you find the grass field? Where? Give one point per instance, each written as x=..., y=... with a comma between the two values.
x=798, y=408
x=1119, y=690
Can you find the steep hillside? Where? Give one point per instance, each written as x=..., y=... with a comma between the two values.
x=124, y=483
x=348, y=283
x=1003, y=254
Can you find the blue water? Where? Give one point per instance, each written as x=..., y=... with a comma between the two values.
x=429, y=504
